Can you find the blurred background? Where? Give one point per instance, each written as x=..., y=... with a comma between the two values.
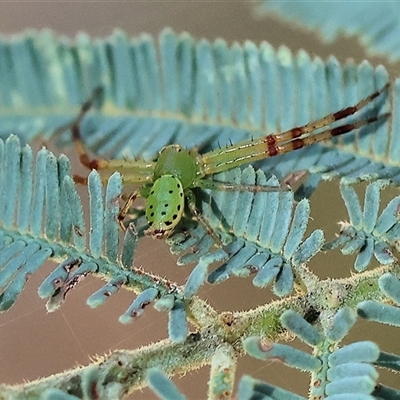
x=33, y=343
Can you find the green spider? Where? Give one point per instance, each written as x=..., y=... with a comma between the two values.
x=167, y=182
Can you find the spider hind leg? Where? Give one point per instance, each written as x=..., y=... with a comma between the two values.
x=191, y=201
x=84, y=158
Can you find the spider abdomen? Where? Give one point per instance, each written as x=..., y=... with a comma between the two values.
x=164, y=205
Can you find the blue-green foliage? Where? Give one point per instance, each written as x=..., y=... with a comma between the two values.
x=347, y=372
x=375, y=24
x=367, y=234
x=383, y=313
x=57, y=394
x=250, y=388
x=41, y=217
x=197, y=94
x=136, y=309
x=33, y=215
x=161, y=385
x=266, y=235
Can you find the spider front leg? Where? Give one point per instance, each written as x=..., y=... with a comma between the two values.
x=123, y=212
x=292, y=178
x=133, y=171
x=296, y=138
x=85, y=107
x=191, y=199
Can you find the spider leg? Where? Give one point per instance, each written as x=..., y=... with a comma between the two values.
x=294, y=177
x=199, y=217
x=328, y=119
x=268, y=146
x=85, y=107
x=237, y=187
x=133, y=171
x=324, y=135
x=125, y=209
x=84, y=158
